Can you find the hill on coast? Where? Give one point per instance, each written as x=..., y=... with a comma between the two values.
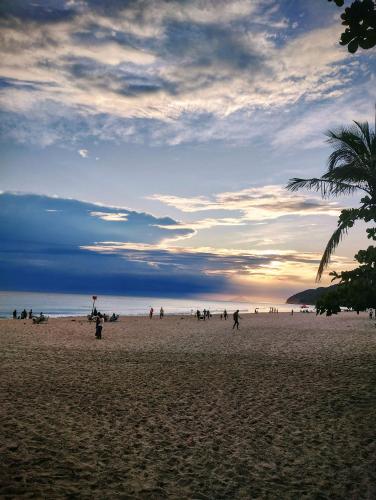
x=308, y=296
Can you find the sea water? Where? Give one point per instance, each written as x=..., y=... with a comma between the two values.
x=64, y=304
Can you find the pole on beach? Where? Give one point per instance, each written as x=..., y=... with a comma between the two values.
x=94, y=299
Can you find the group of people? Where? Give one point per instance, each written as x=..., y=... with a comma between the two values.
x=95, y=314
x=24, y=314
x=27, y=315
x=206, y=314
x=224, y=315
x=161, y=313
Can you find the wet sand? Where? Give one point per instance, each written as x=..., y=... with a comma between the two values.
x=179, y=408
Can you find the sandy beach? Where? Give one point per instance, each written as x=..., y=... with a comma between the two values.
x=179, y=408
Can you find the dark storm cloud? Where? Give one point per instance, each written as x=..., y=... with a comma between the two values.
x=55, y=244
x=41, y=240
x=33, y=218
x=41, y=11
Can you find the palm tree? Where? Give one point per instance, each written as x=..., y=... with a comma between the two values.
x=351, y=168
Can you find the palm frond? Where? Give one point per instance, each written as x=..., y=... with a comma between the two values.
x=330, y=247
x=367, y=134
x=358, y=176
x=349, y=145
x=326, y=187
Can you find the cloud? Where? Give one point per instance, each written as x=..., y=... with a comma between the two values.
x=114, y=216
x=56, y=244
x=253, y=204
x=54, y=220
x=83, y=152
x=43, y=241
x=166, y=71
x=307, y=129
x=245, y=266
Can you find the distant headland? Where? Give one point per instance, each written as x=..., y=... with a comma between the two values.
x=308, y=296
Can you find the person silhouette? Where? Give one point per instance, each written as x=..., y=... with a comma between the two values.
x=236, y=319
x=99, y=322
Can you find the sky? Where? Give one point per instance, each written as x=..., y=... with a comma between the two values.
x=146, y=145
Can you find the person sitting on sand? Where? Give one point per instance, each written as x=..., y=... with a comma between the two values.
x=236, y=319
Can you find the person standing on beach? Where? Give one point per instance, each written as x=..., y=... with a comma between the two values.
x=236, y=319
x=15, y=314
x=161, y=313
x=225, y=314
x=99, y=326
x=204, y=312
x=151, y=313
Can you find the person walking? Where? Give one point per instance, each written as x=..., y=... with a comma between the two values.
x=151, y=313
x=236, y=319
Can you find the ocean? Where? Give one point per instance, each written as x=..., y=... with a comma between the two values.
x=64, y=304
